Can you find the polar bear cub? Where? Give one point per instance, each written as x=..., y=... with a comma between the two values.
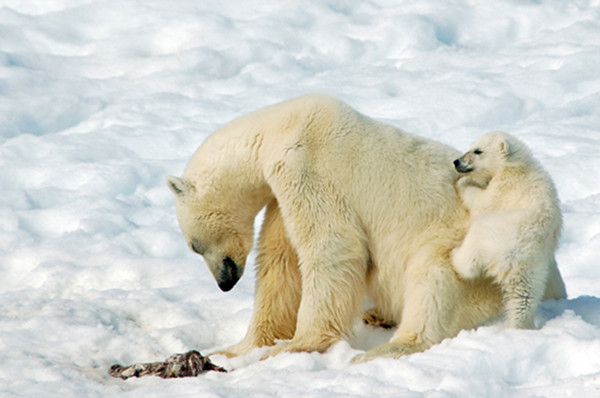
x=515, y=222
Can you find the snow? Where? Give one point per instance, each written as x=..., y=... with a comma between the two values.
x=101, y=100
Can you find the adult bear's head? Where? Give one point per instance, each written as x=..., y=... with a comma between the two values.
x=213, y=230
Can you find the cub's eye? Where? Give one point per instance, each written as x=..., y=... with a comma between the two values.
x=477, y=151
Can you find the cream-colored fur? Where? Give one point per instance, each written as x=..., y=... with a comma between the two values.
x=355, y=207
x=515, y=225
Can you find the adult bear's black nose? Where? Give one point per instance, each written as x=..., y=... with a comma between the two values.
x=456, y=162
x=230, y=274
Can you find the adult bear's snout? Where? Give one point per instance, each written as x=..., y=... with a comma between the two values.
x=230, y=275
x=456, y=162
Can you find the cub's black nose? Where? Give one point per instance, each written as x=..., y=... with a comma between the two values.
x=456, y=162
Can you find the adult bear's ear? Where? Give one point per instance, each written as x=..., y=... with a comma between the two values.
x=179, y=186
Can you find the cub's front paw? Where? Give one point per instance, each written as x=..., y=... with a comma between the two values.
x=465, y=180
x=464, y=266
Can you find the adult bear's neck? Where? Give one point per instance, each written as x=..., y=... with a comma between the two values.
x=226, y=166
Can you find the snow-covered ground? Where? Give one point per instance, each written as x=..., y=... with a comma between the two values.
x=101, y=99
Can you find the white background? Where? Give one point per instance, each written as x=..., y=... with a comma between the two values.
x=101, y=100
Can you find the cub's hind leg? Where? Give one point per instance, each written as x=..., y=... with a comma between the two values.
x=523, y=290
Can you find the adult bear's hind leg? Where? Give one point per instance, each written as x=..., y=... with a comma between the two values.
x=278, y=287
x=427, y=315
x=374, y=317
x=555, y=287
x=437, y=304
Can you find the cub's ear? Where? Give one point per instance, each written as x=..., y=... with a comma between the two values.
x=179, y=186
x=504, y=148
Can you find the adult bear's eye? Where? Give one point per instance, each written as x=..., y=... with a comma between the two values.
x=197, y=247
x=477, y=151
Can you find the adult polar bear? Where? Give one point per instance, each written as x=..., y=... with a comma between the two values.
x=354, y=207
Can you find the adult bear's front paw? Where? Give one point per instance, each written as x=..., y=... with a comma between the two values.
x=283, y=346
x=301, y=345
x=393, y=349
x=289, y=346
x=242, y=348
x=388, y=350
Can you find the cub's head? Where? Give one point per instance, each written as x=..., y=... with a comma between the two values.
x=486, y=156
x=212, y=231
